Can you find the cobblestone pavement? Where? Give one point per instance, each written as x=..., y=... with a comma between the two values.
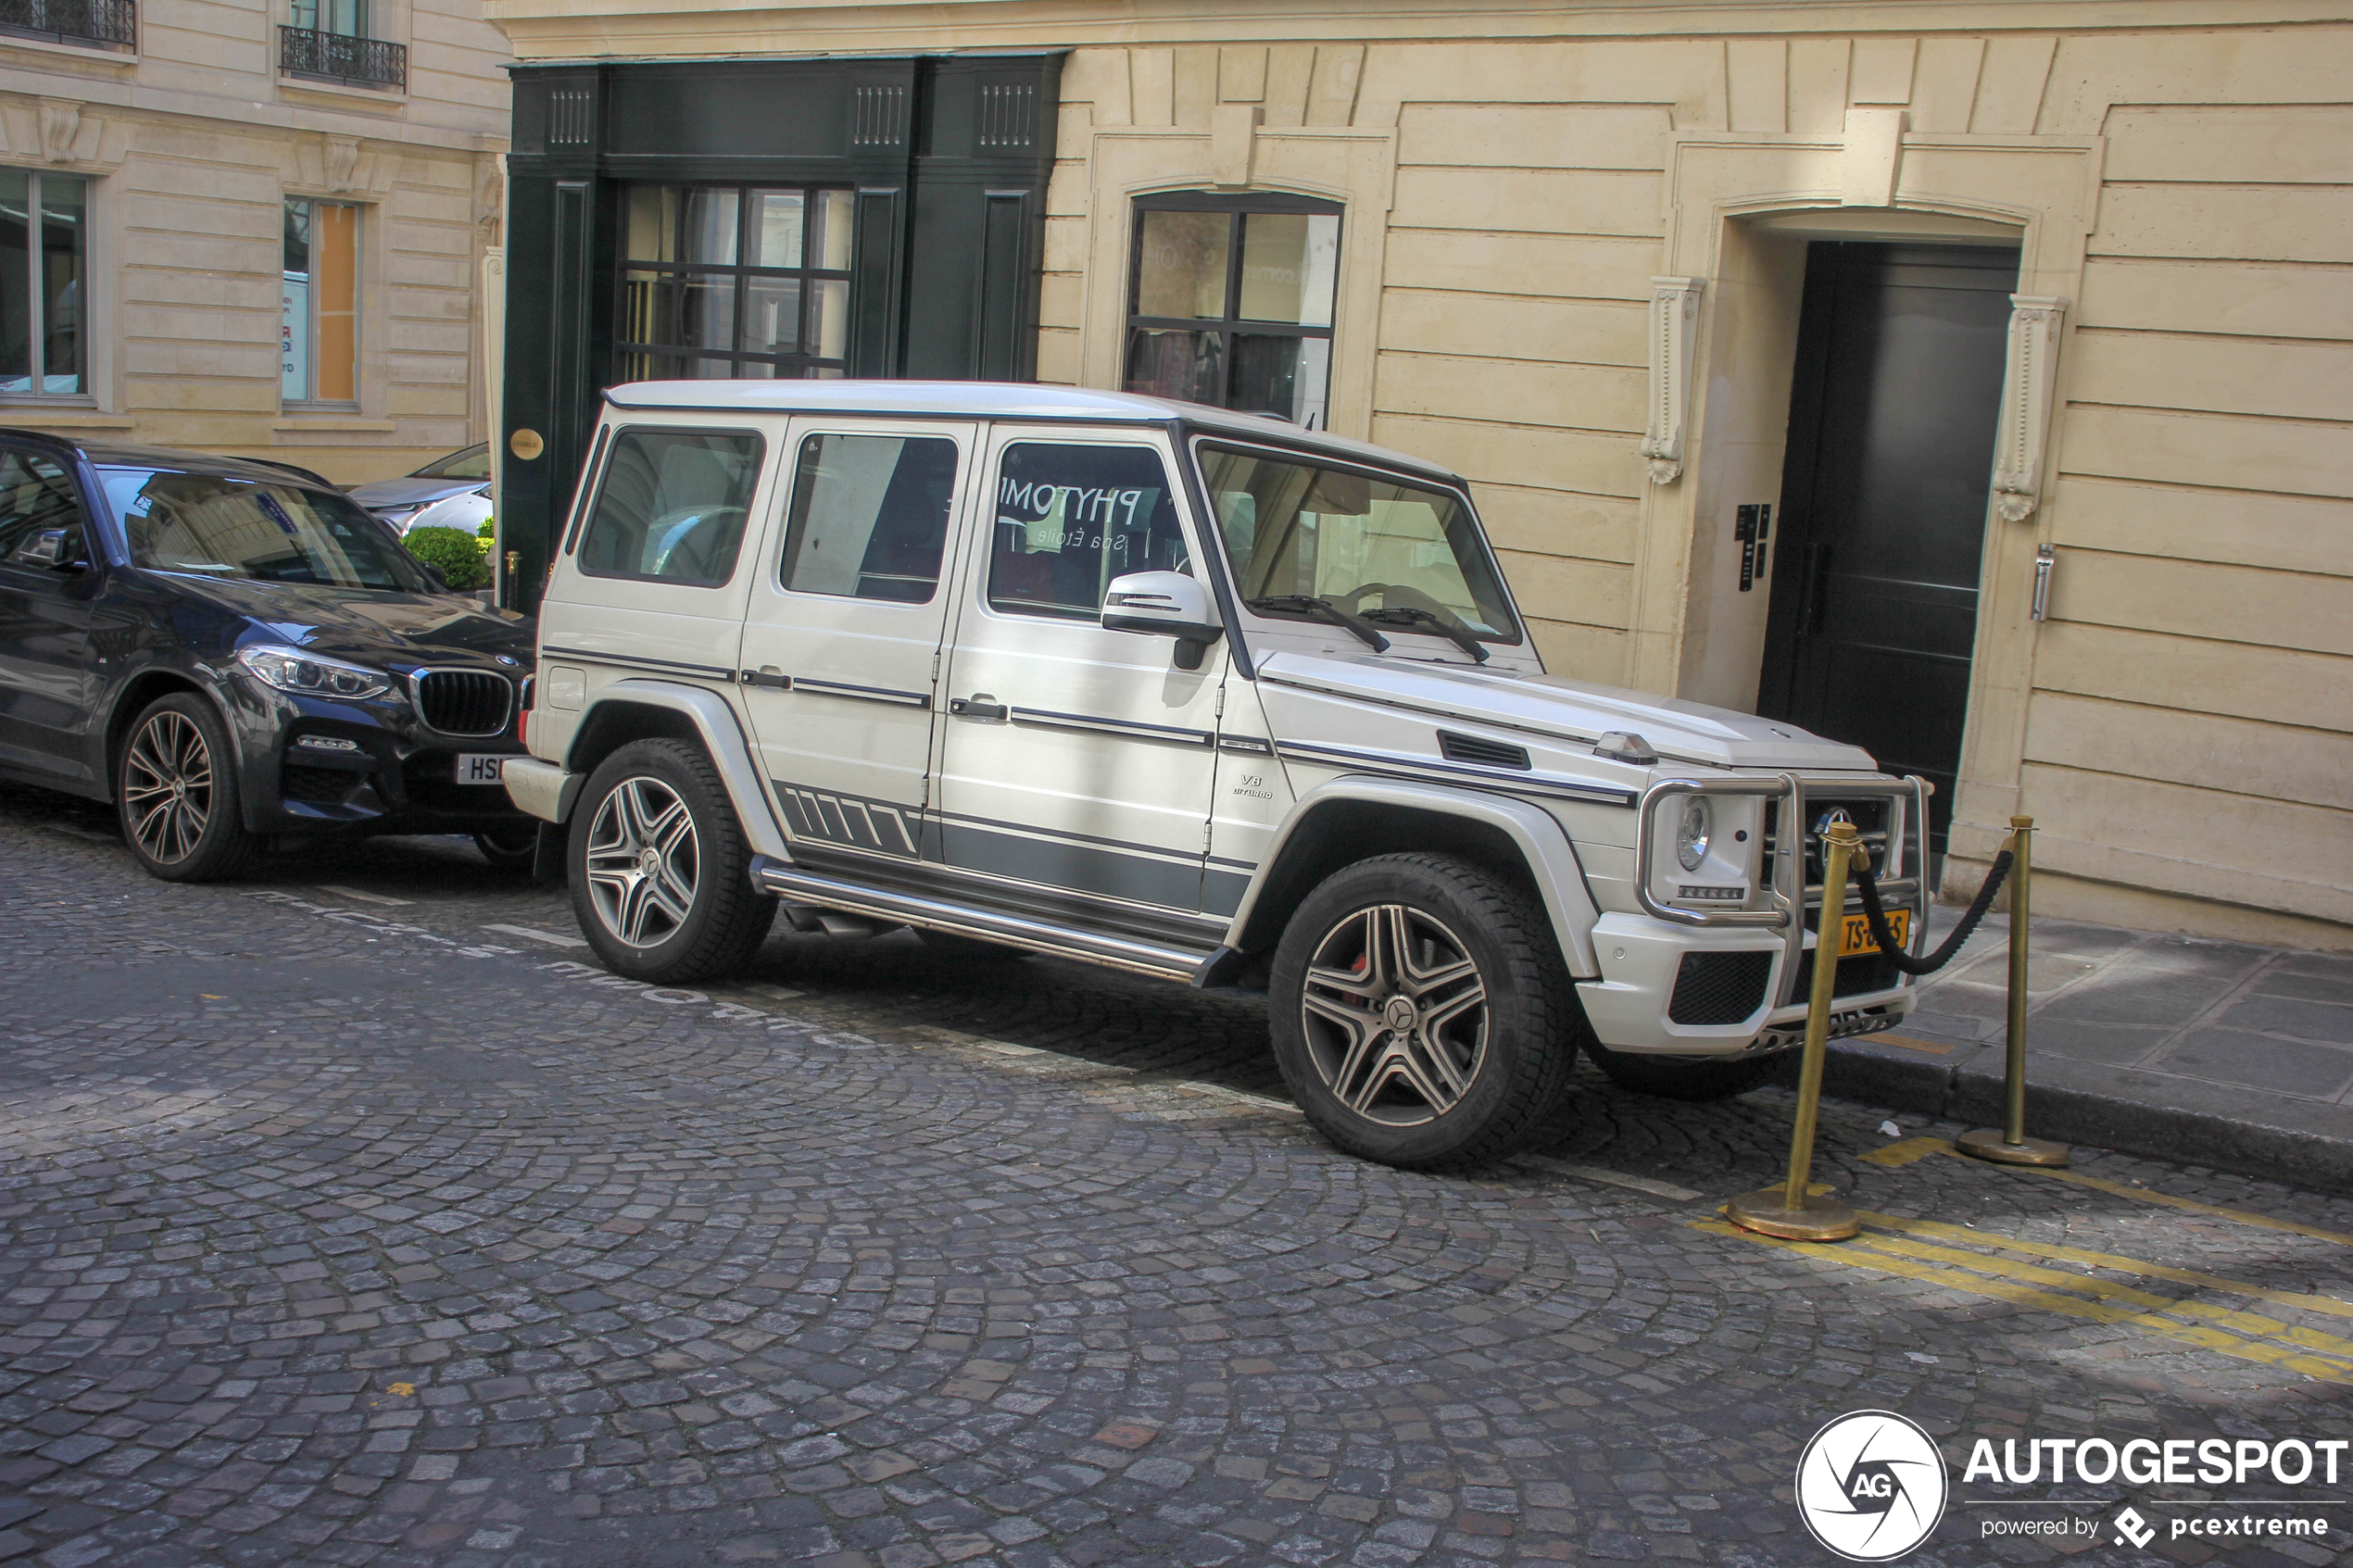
x=347, y=1217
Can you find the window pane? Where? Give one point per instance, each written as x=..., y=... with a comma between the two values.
x=775, y=229
x=711, y=227
x=64, y=212
x=35, y=495
x=218, y=527
x=829, y=230
x=15, y=273
x=294, y=306
x=705, y=370
x=870, y=516
x=1283, y=376
x=648, y=306
x=1070, y=519
x=1289, y=263
x=829, y=318
x=335, y=250
x=772, y=315
x=1167, y=362
x=1181, y=271
x=671, y=505
x=706, y=314
x=653, y=223
x=755, y=369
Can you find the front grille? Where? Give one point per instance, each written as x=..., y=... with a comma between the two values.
x=1869, y=813
x=327, y=786
x=1718, y=987
x=1476, y=748
x=465, y=702
x=1857, y=973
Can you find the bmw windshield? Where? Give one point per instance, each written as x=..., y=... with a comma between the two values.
x=212, y=526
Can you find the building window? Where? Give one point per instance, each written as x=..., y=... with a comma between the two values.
x=331, y=41
x=318, y=323
x=45, y=269
x=724, y=281
x=1230, y=303
x=346, y=17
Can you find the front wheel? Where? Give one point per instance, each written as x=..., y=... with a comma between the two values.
x=1683, y=1077
x=660, y=869
x=176, y=792
x=1421, y=1013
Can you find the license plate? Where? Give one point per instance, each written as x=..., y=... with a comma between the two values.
x=1854, y=932
x=481, y=768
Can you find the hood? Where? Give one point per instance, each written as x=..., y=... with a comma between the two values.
x=367, y=625
x=387, y=494
x=1573, y=710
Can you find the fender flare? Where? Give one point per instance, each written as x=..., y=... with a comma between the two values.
x=1543, y=843
x=723, y=736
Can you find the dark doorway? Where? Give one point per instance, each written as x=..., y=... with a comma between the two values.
x=1884, y=494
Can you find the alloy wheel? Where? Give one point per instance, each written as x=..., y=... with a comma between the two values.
x=167, y=787
x=1394, y=1012
x=644, y=861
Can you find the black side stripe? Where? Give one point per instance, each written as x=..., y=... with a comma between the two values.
x=1140, y=729
x=861, y=693
x=658, y=666
x=1509, y=783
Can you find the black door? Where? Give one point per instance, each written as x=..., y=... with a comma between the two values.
x=1884, y=494
x=49, y=589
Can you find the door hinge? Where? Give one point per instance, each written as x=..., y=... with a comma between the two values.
x=935, y=667
x=1208, y=833
x=1221, y=702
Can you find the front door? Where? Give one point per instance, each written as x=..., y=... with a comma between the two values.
x=1074, y=758
x=46, y=601
x=841, y=639
x=1884, y=497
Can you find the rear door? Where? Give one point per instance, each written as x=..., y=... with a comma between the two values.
x=46, y=683
x=841, y=646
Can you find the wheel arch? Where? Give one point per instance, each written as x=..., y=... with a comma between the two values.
x=1354, y=818
x=134, y=698
x=633, y=709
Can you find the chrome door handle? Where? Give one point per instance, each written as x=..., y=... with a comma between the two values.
x=980, y=705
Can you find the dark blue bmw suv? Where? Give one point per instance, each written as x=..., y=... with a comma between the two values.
x=237, y=655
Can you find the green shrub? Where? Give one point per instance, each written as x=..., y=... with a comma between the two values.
x=457, y=553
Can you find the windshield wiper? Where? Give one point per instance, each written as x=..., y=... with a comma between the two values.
x=1453, y=631
x=1322, y=609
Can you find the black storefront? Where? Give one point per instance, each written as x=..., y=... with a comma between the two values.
x=861, y=217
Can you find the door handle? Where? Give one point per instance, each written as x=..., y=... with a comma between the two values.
x=980, y=705
x=768, y=677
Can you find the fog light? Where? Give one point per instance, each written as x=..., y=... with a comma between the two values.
x=325, y=743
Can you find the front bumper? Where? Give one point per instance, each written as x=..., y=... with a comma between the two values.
x=398, y=775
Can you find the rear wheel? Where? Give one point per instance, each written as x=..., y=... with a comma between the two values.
x=660, y=869
x=176, y=793
x=1421, y=1013
x=1683, y=1077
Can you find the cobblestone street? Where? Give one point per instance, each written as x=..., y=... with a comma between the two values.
x=349, y=1215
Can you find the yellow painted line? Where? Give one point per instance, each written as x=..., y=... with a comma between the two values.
x=1911, y=1045
x=2049, y=1301
x=2328, y=1304
x=1906, y=1151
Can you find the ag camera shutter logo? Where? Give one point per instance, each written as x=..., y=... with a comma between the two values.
x=1871, y=1485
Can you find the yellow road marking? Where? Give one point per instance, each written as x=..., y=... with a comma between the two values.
x=2050, y=1301
x=1911, y=1045
x=1904, y=1153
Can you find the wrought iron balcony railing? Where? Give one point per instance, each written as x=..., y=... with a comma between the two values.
x=340, y=58
x=99, y=24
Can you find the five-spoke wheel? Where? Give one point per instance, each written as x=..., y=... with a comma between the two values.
x=660, y=869
x=644, y=862
x=176, y=793
x=1395, y=1014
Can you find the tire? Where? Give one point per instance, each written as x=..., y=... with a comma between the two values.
x=1683, y=1077
x=697, y=916
x=176, y=793
x=1487, y=980
x=508, y=849
x=966, y=949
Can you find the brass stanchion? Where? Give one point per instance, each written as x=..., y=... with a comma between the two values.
x=2009, y=1144
x=1788, y=1210
x=514, y=573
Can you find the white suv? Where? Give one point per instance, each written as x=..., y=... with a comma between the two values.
x=1183, y=692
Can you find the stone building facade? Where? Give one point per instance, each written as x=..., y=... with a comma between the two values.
x=1968, y=379
x=254, y=227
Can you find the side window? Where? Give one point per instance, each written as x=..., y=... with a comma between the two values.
x=1070, y=519
x=670, y=505
x=35, y=497
x=870, y=516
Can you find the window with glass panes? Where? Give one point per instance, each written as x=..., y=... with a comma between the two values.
x=44, y=268
x=318, y=304
x=720, y=281
x=1230, y=303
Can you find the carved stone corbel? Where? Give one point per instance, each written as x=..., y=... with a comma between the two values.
x=1674, y=325
x=60, y=129
x=343, y=163
x=2028, y=378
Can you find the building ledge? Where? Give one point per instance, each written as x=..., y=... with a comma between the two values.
x=84, y=54
x=333, y=424
x=37, y=415
x=301, y=87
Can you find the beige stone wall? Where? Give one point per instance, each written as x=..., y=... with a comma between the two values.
x=191, y=145
x=2179, y=171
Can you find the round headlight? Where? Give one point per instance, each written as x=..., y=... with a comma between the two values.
x=1690, y=835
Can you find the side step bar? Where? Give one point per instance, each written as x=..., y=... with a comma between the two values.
x=804, y=886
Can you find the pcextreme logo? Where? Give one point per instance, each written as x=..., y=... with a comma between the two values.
x=1871, y=1486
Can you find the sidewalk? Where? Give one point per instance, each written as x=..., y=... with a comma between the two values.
x=2217, y=1053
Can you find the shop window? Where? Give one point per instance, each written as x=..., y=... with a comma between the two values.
x=45, y=270
x=722, y=281
x=318, y=313
x=1230, y=303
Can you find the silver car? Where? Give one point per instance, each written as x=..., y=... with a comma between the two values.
x=449, y=491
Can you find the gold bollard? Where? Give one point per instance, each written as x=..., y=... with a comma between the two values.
x=2010, y=1145
x=1788, y=1210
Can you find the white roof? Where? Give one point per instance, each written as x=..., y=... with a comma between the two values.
x=983, y=400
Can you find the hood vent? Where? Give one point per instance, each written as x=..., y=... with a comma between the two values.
x=1485, y=753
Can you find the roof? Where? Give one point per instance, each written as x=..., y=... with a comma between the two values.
x=123, y=454
x=992, y=400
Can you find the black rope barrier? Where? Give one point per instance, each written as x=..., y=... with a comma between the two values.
x=1929, y=963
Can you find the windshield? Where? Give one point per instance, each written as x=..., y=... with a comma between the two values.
x=215, y=526
x=471, y=463
x=1387, y=551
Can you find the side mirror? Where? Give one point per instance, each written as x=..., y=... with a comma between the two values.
x=51, y=548
x=1166, y=604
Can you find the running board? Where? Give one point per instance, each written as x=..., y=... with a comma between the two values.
x=805, y=886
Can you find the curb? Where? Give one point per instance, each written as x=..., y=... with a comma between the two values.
x=2255, y=1136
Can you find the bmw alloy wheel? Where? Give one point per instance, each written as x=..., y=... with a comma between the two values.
x=167, y=787
x=644, y=861
x=1394, y=1012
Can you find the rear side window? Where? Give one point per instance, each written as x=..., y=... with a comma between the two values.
x=1071, y=518
x=672, y=504
x=870, y=516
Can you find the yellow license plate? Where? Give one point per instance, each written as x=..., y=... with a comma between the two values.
x=1854, y=932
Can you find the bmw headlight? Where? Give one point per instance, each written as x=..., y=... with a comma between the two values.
x=1690, y=833
x=307, y=674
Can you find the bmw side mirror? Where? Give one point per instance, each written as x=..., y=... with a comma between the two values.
x=1164, y=604
x=52, y=549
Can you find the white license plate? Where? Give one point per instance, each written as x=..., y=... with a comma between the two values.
x=480, y=768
